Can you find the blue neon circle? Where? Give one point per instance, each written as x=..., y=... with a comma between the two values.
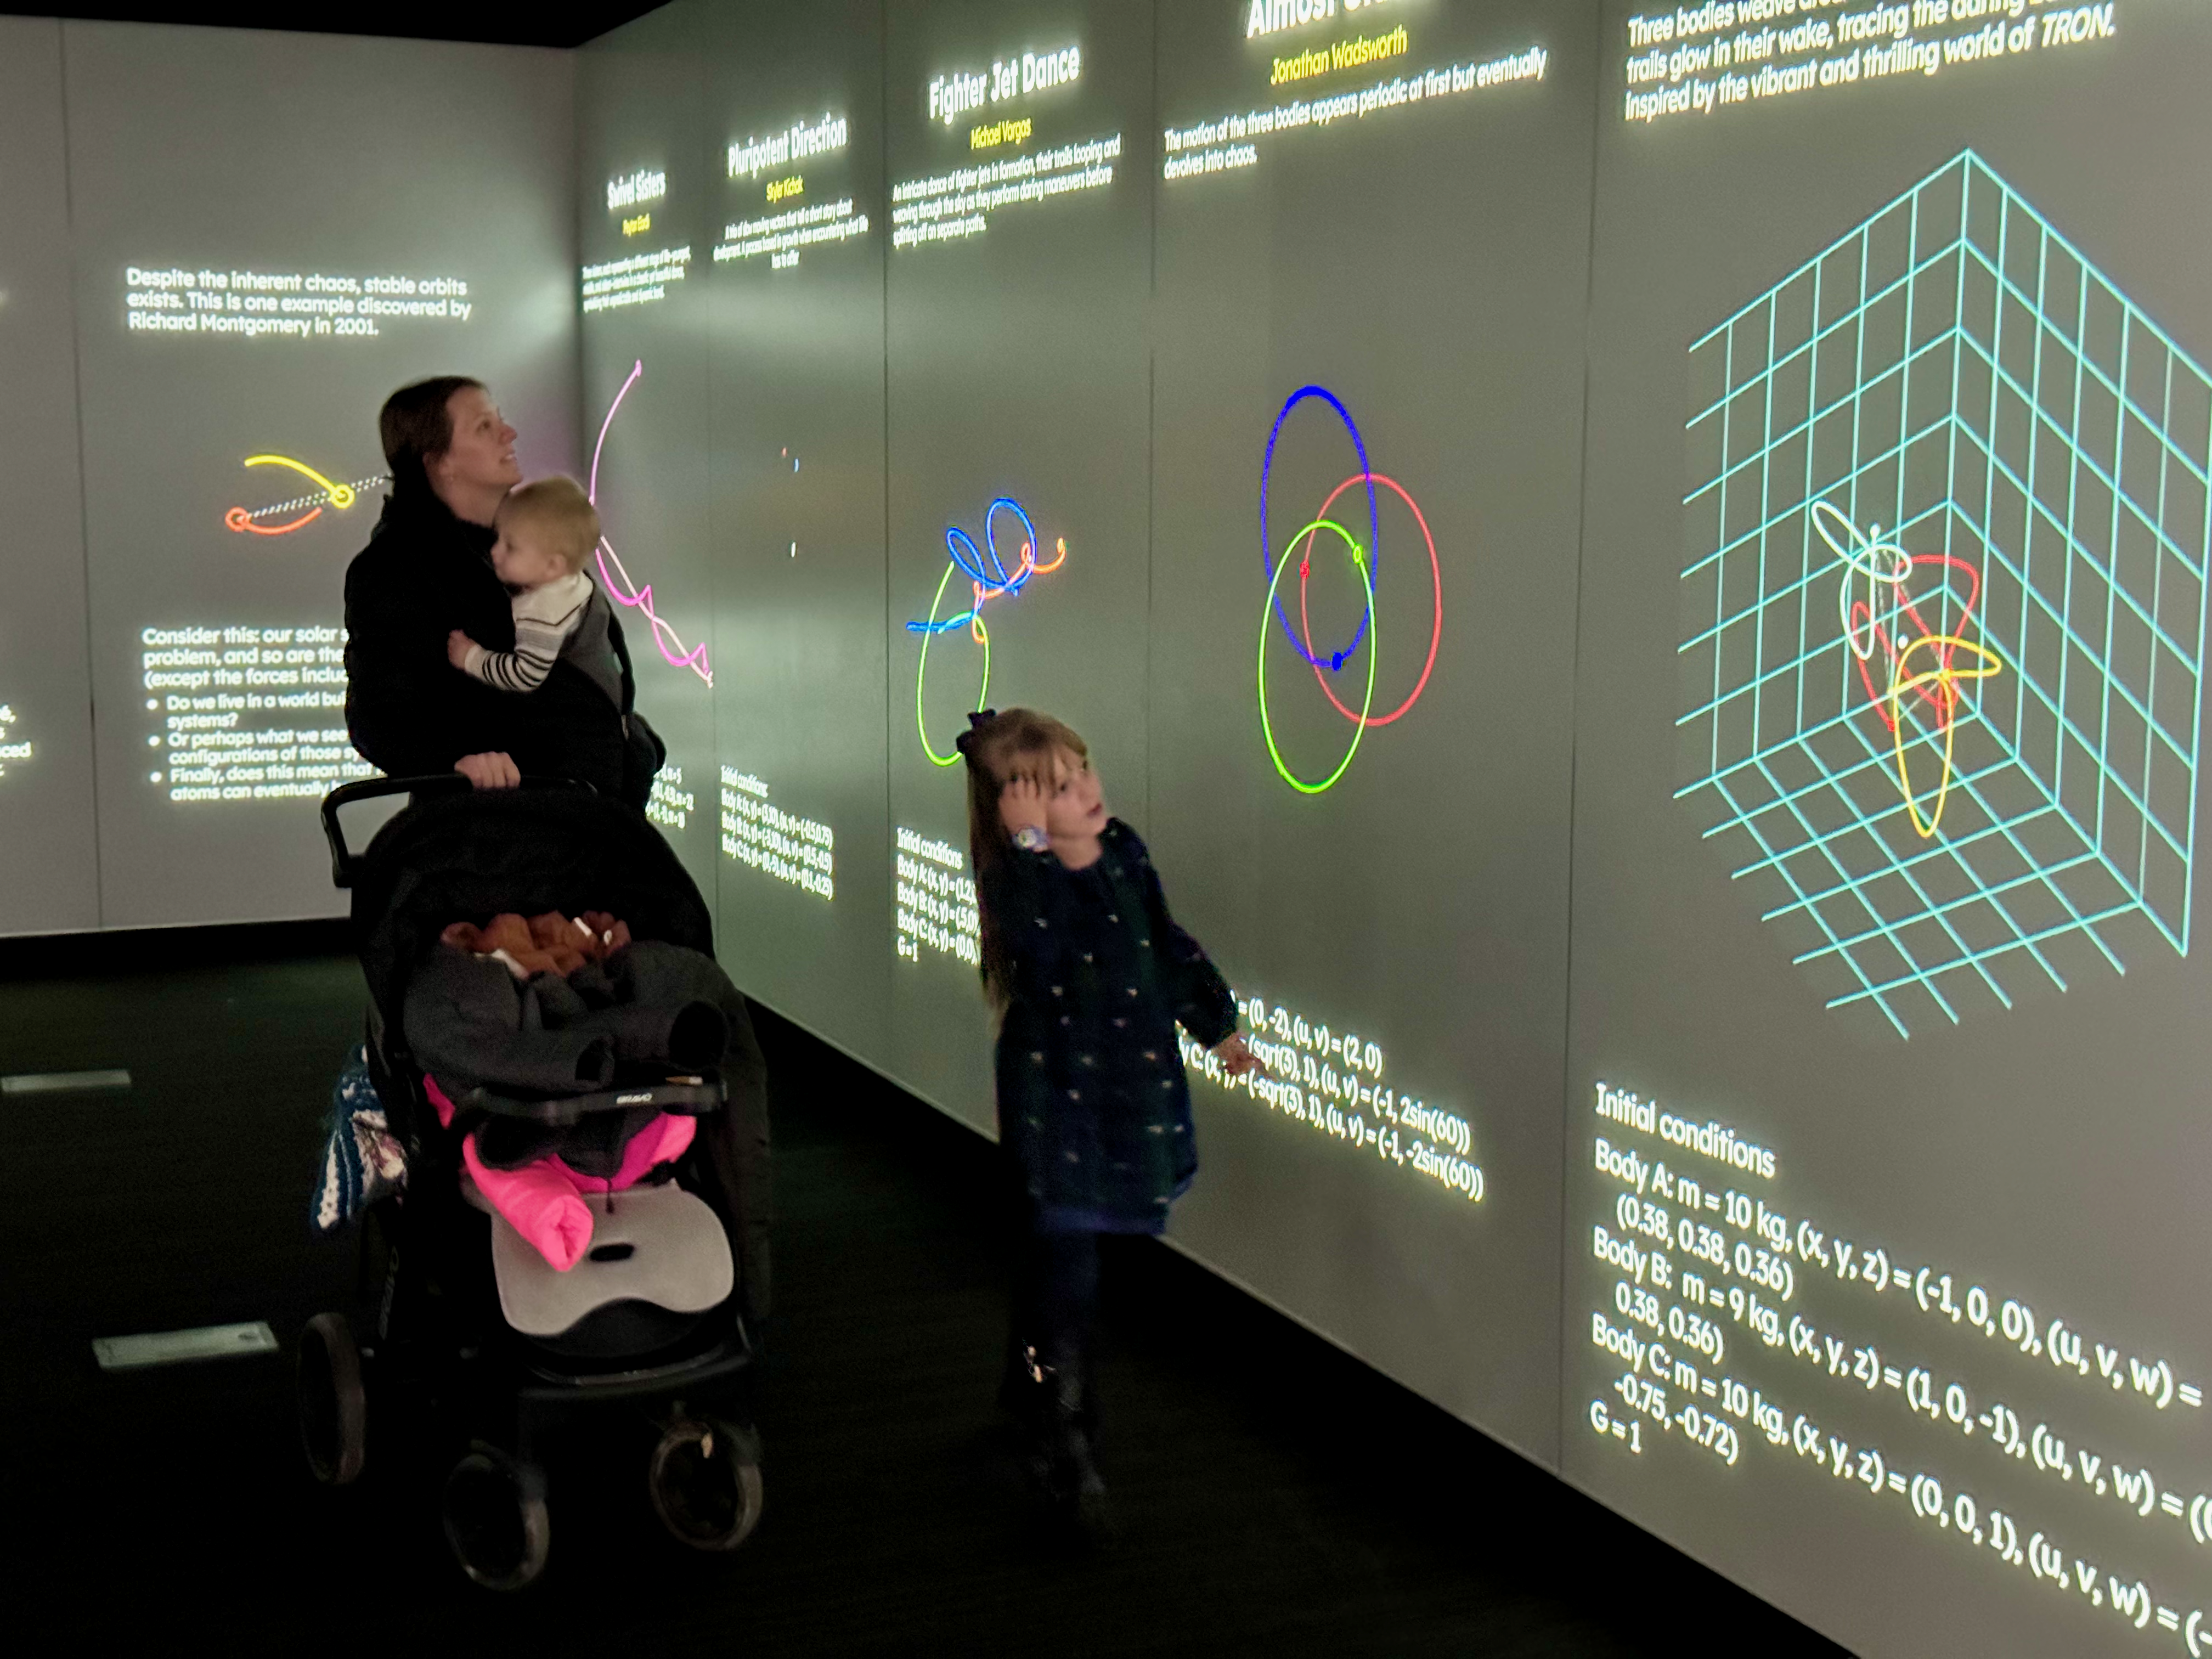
x=1335, y=661
x=993, y=580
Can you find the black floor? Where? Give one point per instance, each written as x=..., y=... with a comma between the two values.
x=171, y=1507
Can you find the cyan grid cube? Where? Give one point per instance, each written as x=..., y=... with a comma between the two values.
x=1952, y=377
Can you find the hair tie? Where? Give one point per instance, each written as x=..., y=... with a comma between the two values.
x=976, y=721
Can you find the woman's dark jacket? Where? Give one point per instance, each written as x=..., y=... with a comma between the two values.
x=1092, y=1101
x=410, y=712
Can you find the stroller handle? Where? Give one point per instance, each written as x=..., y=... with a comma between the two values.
x=343, y=862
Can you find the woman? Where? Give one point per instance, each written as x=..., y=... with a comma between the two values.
x=426, y=572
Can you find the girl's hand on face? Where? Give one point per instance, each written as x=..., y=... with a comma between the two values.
x=1021, y=805
x=1237, y=1059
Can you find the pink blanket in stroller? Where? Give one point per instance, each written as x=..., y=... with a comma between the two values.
x=544, y=1201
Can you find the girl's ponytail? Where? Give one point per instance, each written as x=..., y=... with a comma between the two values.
x=988, y=844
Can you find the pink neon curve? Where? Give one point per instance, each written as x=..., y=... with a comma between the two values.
x=629, y=593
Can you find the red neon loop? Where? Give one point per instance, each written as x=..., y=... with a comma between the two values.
x=1940, y=692
x=1029, y=567
x=239, y=519
x=1437, y=581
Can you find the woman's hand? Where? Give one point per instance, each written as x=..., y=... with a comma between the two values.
x=1237, y=1059
x=1021, y=805
x=457, y=646
x=490, y=771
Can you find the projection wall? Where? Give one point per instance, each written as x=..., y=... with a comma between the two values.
x=49, y=869
x=1885, y=1218
x=1643, y=572
x=251, y=276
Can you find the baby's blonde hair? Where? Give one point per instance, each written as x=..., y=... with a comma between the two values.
x=558, y=510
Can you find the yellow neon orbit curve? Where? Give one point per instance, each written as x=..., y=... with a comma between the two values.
x=1945, y=677
x=341, y=494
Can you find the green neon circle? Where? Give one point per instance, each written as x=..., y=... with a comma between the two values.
x=983, y=692
x=1359, y=563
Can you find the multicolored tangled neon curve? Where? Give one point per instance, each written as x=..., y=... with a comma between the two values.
x=988, y=579
x=1877, y=622
x=610, y=565
x=1365, y=559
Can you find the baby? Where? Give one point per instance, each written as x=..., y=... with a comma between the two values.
x=547, y=530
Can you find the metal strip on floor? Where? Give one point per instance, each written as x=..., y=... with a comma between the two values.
x=130, y=1353
x=51, y=1083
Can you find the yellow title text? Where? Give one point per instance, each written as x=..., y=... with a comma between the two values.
x=1355, y=53
x=992, y=134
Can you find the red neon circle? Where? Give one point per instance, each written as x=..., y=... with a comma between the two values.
x=1436, y=578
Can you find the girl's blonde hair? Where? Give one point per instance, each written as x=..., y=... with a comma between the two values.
x=999, y=748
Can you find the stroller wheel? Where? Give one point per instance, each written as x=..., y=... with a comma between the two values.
x=333, y=1406
x=706, y=1484
x=496, y=1522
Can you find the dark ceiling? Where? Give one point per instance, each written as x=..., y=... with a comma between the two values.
x=511, y=24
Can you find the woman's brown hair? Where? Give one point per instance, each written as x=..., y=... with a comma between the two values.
x=416, y=426
x=999, y=748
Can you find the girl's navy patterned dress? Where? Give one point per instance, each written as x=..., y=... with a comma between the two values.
x=1093, y=1105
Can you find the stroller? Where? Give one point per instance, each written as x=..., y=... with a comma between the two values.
x=465, y=1333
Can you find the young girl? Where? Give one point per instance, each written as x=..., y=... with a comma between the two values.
x=1090, y=975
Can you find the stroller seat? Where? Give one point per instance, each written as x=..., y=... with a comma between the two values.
x=472, y=1332
x=658, y=1245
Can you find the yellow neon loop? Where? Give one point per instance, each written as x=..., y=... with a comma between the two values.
x=1945, y=677
x=341, y=494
